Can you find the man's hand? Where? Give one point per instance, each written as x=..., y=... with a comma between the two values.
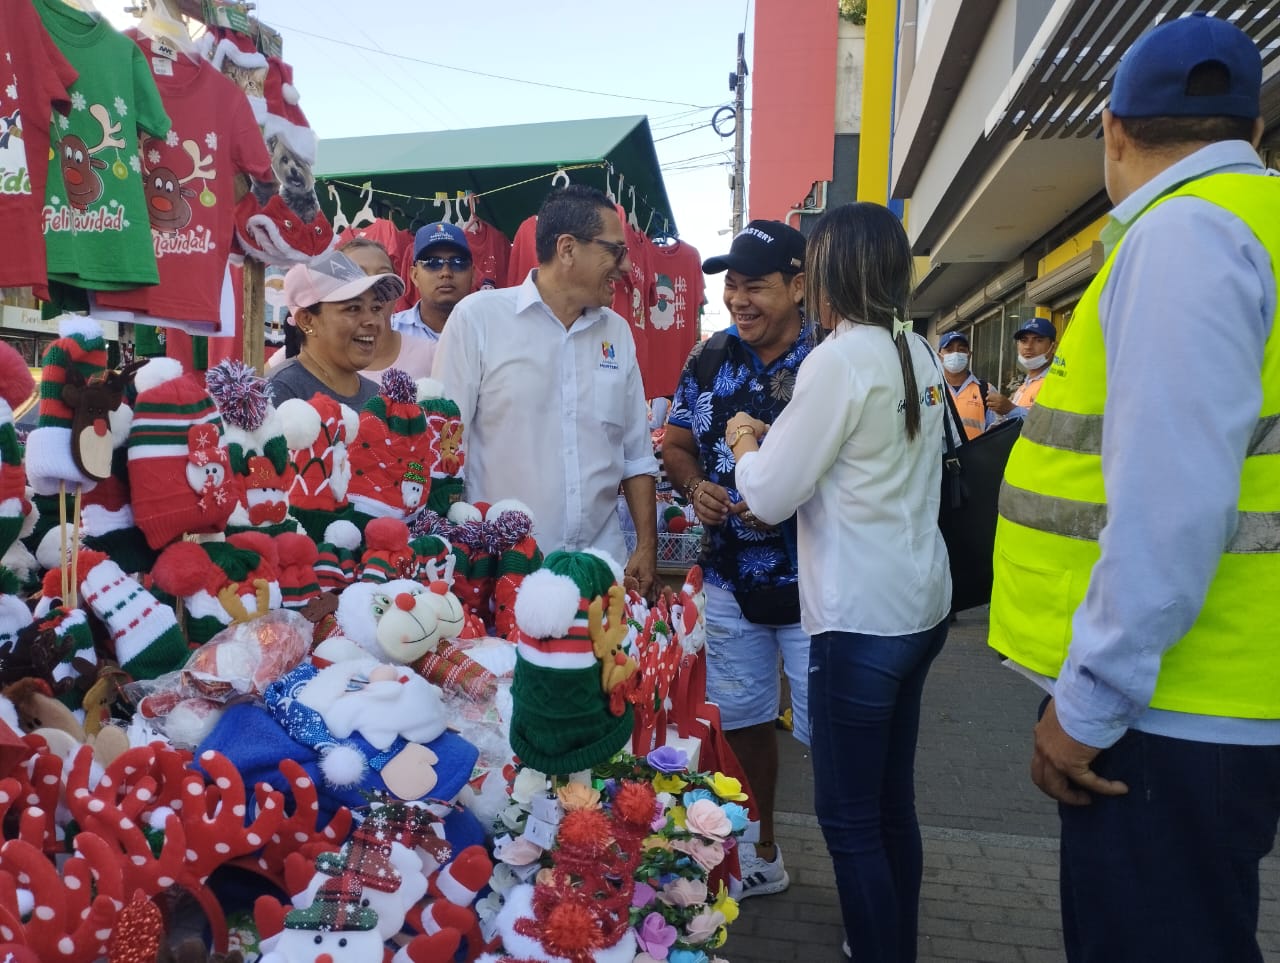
x=711, y=503
x=999, y=403
x=641, y=573
x=1060, y=764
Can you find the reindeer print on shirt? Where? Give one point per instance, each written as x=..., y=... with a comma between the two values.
x=168, y=166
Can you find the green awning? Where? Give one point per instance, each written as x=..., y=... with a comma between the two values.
x=511, y=166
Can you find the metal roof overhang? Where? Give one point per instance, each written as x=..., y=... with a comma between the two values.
x=1038, y=159
x=494, y=161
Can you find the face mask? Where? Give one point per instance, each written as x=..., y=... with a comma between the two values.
x=1033, y=364
x=955, y=362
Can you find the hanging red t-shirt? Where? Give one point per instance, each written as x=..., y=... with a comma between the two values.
x=189, y=178
x=490, y=253
x=399, y=245
x=524, y=252
x=673, y=320
x=635, y=293
x=34, y=78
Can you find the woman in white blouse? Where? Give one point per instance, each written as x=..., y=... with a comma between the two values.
x=857, y=456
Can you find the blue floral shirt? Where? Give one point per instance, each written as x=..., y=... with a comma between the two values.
x=734, y=555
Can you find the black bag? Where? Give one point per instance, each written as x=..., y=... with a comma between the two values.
x=971, y=475
x=771, y=605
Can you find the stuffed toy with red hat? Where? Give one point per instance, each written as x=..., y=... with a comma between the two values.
x=319, y=433
x=387, y=479
x=336, y=926
x=446, y=458
x=256, y=448
x=510, y=524
x=221, y=583
x=179, y=472
x=387, y=554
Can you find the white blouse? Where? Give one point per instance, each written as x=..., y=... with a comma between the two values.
x=871, y=557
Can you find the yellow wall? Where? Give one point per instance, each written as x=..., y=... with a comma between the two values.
x=877, y=101
x=1076, y=244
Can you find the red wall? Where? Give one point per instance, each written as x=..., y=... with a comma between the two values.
x=793, y=103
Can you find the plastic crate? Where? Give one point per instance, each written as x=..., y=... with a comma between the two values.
x=673, y=550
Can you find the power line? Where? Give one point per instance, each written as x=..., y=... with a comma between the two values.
x=680, y=133
x=480, y=73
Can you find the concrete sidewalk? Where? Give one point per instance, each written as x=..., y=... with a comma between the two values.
x=990, y=889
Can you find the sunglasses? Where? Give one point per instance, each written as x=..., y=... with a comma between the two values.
x=456, y=263
x=618, y=249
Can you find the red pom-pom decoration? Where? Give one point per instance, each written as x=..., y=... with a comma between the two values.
x=634, y=803
x=182, y=569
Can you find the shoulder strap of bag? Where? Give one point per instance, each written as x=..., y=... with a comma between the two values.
x=712, y=357
x=983, y=387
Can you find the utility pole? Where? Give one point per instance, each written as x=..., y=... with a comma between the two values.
x=738, y=84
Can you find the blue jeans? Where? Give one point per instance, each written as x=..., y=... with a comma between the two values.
x=1169, y=872
x=864, y=716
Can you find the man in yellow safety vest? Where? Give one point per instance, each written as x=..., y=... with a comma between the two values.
x=1138, y=546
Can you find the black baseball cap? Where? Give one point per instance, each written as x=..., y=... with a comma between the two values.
x=762, y=247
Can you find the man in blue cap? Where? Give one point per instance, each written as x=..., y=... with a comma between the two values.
x=1036, y=340
x=969, y=393
x=1138, y=544
x=442, y=272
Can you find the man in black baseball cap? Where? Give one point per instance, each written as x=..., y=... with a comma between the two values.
x=753, y=604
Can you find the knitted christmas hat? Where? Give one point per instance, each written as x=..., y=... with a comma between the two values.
x=79, y=353
x=256, y=447
x=392, y=438
x=338, y=556
x=447, y=453
x=366, y=856
x=387, y=553
x=335, y=908
x=144, y=631
x=285, y=118
x=220, y=582
x=16, y=387
x=510, y=524
x=178, y=469
x=299, y=580
x=434, y=556
x=318, y=433
x=561, y=721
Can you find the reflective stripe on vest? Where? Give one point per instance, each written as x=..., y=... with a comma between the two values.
x=973, y=414
x=1053, y=509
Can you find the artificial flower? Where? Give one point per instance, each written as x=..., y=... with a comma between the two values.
x=684, y=892
x=738, y=816
x=577, y=796
x=642, y=895
x=703, y=927
x=517, y=851
x=668, y=782
x=693, y=795
x=668, y=759
x=656, y=842
x=726, y=905
x=655, y=936
x=677, y=816
x=545, y=876
x=644, y=958
x=528, y=783
x=707, y=819
x=687, y=956
x=513, y=817
x=706, y=855
x=503, y=878
x=726, y=787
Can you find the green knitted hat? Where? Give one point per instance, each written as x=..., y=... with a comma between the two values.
x=561, y=722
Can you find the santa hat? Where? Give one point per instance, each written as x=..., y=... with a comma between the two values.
x=80, y=348
x=318, y=433
x=285, y=118
x=387, y=554
x=16, y=386
x=144, y=631
x=511, y=524
x=178, y=469
x=392, y=438
x=336, y=908
x=462, y=878
x=224, y=46
x=338, y=556
x=246, y=564
x=256, y=447
x=299, y=582
x=277, y=235
x=561, y=721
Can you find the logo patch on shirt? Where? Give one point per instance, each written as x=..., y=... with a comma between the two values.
x=608, y=356
x=932, y=396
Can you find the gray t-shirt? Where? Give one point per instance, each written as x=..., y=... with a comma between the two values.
x=292, y=380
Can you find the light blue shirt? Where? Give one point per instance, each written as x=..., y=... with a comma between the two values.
x=1185, y=315
x=410, y=322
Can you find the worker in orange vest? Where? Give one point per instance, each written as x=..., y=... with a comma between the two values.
x=969, y=393
x=1037, y=340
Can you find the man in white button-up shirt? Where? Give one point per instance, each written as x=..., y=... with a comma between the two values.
x=547, y=382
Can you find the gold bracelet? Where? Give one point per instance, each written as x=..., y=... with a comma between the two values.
x=691, y=489
x=737, y=435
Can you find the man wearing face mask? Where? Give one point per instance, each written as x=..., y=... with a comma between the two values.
x=969, y=393
x=1037, y=339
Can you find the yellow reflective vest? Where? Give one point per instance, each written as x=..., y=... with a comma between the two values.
x=1053, y=506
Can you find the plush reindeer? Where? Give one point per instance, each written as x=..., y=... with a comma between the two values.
x=91, y=403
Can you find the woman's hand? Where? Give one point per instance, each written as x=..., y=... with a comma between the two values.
x=742, y=425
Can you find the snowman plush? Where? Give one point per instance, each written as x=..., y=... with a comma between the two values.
x=335, y=928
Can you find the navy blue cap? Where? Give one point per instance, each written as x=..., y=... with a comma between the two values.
x=761, y=248
x=1151, y=80
x=952, y=336
x=435, y=234
x=1039, y=326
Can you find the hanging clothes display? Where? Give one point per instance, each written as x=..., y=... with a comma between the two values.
x=37, y=83
x=399, y=245
x=673, y=319
x=524, y=252
x=190, y=190
x=97, y=234
x=490, y=253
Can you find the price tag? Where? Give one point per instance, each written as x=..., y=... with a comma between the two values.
x=548, y=809
x=161, y=67
x=162, y=48
x=540, y=832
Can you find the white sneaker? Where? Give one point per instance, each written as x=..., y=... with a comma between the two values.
x=848, y=953
x=760, y=877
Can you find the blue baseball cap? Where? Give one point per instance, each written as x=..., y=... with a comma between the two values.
x=1039, y=326
x=436, y=234
x=1151, y=80
x=951, y=337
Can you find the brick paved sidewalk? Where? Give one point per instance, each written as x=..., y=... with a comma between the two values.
x=990, y=889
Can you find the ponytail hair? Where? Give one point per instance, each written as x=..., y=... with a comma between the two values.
x=858, y=267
